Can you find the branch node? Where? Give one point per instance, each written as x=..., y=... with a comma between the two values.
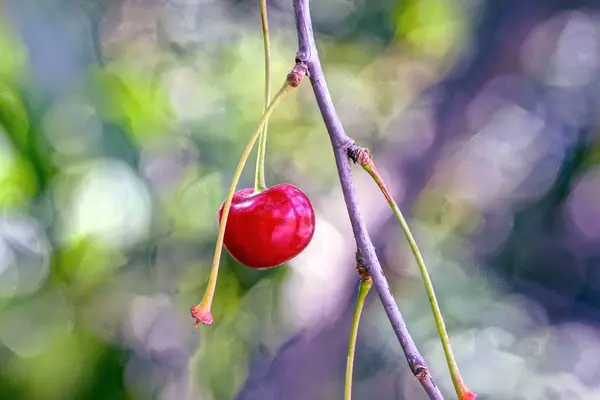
x=303, y=53
x=360, y=155
x=300, y=70
x=421, y=372
x=362, y=270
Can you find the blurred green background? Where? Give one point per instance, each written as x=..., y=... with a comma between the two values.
x=122, y=121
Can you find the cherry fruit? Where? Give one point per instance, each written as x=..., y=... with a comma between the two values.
x=266, y=229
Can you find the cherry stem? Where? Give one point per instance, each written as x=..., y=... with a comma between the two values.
x=365, y=159
x=259, y=178
x=363, y=290
x=202, y=311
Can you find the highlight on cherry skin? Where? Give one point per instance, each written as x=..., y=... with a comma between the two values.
x=266, y=229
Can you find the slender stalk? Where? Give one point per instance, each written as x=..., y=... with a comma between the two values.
x=308, y=55
x=363, y=291
x=364, y=158
x=259, y=179
x=202, y=311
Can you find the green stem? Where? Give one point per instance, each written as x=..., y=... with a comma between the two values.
x=463, y=392
x=363, y=291
x=259, y=179
x=202, y=311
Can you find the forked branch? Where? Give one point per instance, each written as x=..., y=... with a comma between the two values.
x=308, y=55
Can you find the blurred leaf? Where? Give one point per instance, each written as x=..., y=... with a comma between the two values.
x=18, y=182
x=18, y=186
x=13, y=59
x=434, y=27
x=136, y=100
x=59, y=372
x=13, y=115
x=33, y=167
x=107, y=381
x=85, y=263
x=194, y=208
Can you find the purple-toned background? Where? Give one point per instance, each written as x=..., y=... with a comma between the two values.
x=121, y=123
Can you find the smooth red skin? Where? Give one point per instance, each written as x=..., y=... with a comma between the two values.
x=266, y=229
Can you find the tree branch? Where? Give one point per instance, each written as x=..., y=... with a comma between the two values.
x=308, y=55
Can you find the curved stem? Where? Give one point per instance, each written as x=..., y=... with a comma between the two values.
x=202, y=311
x=259, y=178
x=365, y=159
x=363, y=291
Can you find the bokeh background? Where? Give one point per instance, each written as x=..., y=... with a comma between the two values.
x=121, y=122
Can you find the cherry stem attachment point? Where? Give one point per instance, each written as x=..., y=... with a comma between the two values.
x=259, y=178
x=362, y=156
x=363, y=290
x=201, y=312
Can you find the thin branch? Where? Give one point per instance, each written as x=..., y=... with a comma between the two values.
x=307, y=54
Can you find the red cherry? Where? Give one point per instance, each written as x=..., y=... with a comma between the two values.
x=266, y=229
